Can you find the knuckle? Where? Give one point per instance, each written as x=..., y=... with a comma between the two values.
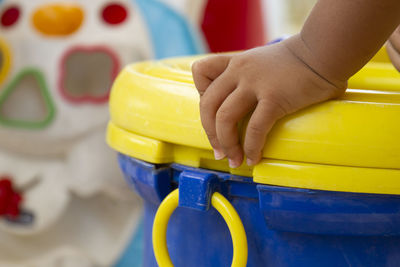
x=275, y=107
x=239, y=61
x=255, y=130
x=199, y=67
x=204, y=104
x=223, y=116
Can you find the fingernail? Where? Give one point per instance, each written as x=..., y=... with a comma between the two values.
x=233, y=163
x=250, y=162
x=218, y=154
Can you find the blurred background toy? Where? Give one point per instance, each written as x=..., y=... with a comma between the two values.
x=226, y=25
x=58, y=60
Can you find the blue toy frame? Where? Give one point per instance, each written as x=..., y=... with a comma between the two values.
x=284, y=226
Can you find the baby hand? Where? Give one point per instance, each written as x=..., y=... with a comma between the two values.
x=269, y=82
x=393, y=48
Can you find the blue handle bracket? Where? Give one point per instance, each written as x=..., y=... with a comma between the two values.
x=196, y=189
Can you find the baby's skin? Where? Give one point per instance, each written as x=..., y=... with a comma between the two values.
x=270, y=82
x=393, y=48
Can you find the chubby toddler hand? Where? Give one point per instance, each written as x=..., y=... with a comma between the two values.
x=393, y=48
x=267, y=82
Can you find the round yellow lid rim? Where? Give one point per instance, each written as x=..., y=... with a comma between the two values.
x=158, y=100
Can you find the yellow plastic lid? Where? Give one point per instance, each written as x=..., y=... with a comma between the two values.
x=350, y=144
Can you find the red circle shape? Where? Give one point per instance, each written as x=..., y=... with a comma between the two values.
x=10, y=16
x=10, y=200
x=114, y=14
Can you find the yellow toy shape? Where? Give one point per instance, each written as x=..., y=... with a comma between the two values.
x=348, y=144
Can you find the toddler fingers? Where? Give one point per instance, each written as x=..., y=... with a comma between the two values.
x=395, y=38
x=210, y=102
x=263, y=118
x=394, y=54
x=237, y=105
x=393, y=48
x=206, y=70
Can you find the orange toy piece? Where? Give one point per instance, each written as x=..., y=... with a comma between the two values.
x=57, y=19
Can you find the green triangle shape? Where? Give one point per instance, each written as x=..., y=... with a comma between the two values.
x=26, y=102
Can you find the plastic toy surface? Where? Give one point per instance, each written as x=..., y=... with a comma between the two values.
x=326, y=193
x=285, y=226
x=221, y=204
x=362, y=120
x=58, y=60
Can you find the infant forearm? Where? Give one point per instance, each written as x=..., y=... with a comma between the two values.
x=341, y=36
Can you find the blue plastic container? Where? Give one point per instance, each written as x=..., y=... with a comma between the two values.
x=284, y=226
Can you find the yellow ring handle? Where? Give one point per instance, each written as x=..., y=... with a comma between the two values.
x=220, y=203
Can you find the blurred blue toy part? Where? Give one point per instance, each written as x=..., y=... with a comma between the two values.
x=164, y=25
